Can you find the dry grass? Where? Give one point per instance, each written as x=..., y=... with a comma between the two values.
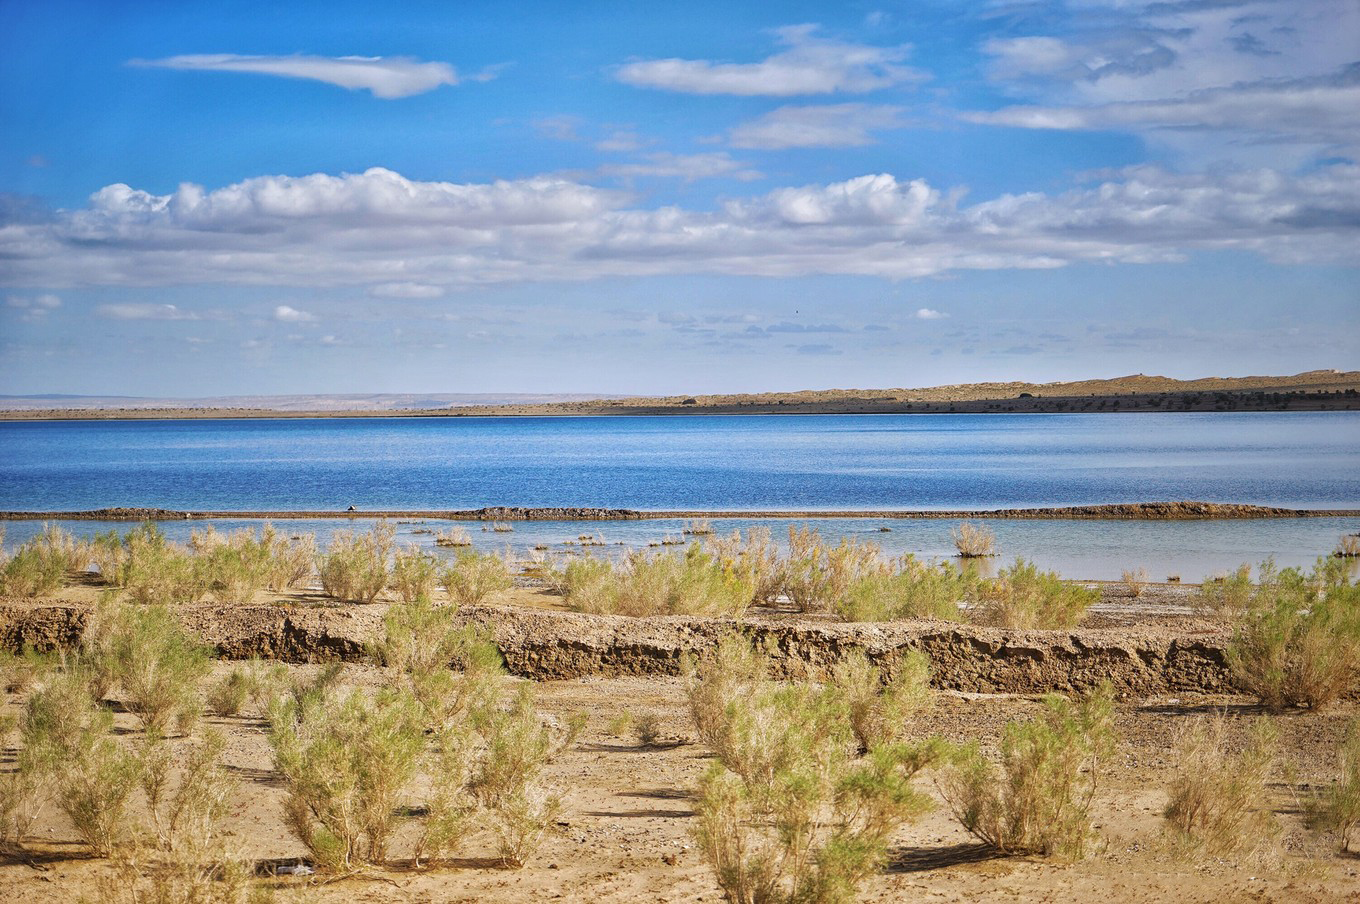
x=1024, y=597
x=354, y=569
x=1338, y=807
x=473, y=576
x=453, y=537
x=1136, y=580
x=1348, y=547
x=973, y=540
x=1218, y=806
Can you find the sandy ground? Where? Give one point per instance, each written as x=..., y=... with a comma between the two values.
x=627, y=815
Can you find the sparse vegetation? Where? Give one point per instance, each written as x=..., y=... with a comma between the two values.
x=1136, y=581
x=880, y=711
x=1348, y=547
x=973, y=541
x=1338, y=807
x=818, y=577
x=42, y=564
x=1024, y=597
x=1225, y=594
x=354, y=569
x=453, y=537
x=1218, y=804
x=473, y=576
x=158, y=666
x=1039, y=800
x=415, y=574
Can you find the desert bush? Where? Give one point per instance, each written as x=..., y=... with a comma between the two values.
x=1218, y=804
x=1225, y=594
x=292, y=559
x=422, y=644
x=414, y=574
x=789, y=813
x=155, y=571
x=1298, y=644
x=1038, y=801
x=187, y=814
x=42, y=564
x=345, y=758
x=587, y=585
x=232, y=568
x=713, y=688
x=909, y=588
x=354, y=569
x=647, y=729
x=473, y=576
x=158, y=666
x=94, y=777
x=1024, y=597
x=24, y=790
x=453, y=537
x=880, y=711
x=1348, y=547
x=697, y=527
x=108, y=555
x=517, y=745
x=19, y=671
x=818, y=576
x=973, y=541
x=695, y=582
x=755, y=557
x=229, y=695
x=1136, y=580
x=1338, y=808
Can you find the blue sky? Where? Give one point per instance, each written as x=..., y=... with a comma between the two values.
x=231, y=198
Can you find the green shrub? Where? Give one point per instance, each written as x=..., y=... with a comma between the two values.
x=588, y=585
x=108, y=554
x=94, y=776
x=755, y=558
x=354, y=569
x=1218, y=803
x=232, y=568
x=880, y=711
x=345, y=758
x=155, y=571
x=422, y=644
x=42, y=564
x=789, y=813
x=1038, y=801
x=817, y=576
x=473, y=576
x=1298, y=644
x=908, y=589
x=158, y=666
x=1338, y=807
x=292, y=560
x=229, y=695
x=1024, y=597
x=1225, y=594
x=414, y=574
x=695, y=582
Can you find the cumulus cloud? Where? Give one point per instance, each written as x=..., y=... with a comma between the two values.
x=141, y=311
x=408, y=239
x=809, y=65
x=827, y=126
x=929, y=314
x=284, y=314
x=386, y=77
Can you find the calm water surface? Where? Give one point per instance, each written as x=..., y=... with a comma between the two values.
x=1294, y=459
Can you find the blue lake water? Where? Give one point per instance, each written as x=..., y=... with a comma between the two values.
x=850, y=462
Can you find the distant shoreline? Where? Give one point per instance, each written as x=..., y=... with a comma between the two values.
x=1138, y=511
x=1312, y=391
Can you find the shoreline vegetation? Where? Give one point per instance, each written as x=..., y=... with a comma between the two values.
x=1319, y=390
x=1185, y=510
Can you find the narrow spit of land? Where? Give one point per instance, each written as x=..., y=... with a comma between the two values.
x=1133, y=511
x=1318, y=390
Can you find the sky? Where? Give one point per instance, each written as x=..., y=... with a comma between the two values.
x=607, y=197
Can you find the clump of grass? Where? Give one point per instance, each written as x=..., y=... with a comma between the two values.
x=880, y=711
x=1024, y=597
x=155, y=571
x=695, y=582
x=292, y=559
x=909, y=588
x=973, y=541
x=1136, y=580
x=501, y=527
x=1338, y=808
x=454, y=537
x=158, y=666
x=228, y=696
x=42, y=564
x=354, y=569
x=233, y=567
x=19, y=671
x=789, y=813
x=473, y=576
x=1038, y=801
x=754, y=556
x=817, y=576
x=415, y=574
x=1218, y=805
x=1299, y=642
x=1225, y=594
x=646, y=728
x=1348, y=547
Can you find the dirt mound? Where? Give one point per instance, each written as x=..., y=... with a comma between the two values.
x=555, y=645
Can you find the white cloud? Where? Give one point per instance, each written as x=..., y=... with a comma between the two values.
x=810, y=65
x=143, y=312
x=405, y=290
x=929, y=314
x=689, y=167
x=284, y=314
x=385, y=77
x=409, y=239
x=828, y=126
x=38, y=303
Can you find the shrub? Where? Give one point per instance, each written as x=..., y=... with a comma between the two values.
x=879, y=710
x=1024, y=597
x=1038, y=801
x=453, y=537
x=292, y=560
x=1217, y=804
x=25, y=788
x=909, y=589
x=973, y=540
x=109, y=556
x=1348, y=547
x=647, y=729
x=1225, y=594
x=1338, y=807
x=234, y=567
x=1299, y=643
x=414, y=574
x=158, y=666
x=588, y=585
x=155, y=571
x=1136, y=580
x=354, y=569
x=41, y=565
x=19, y=671
x=522, y=820
x=474, y=576
x=788, y=814
x=93, y=775
x=421, y=643
x=818, y=576
x=186, y=815
x=229, y=695
x=345, y=758
x=755, y=557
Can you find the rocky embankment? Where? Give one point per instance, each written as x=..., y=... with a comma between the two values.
x=543, y=645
